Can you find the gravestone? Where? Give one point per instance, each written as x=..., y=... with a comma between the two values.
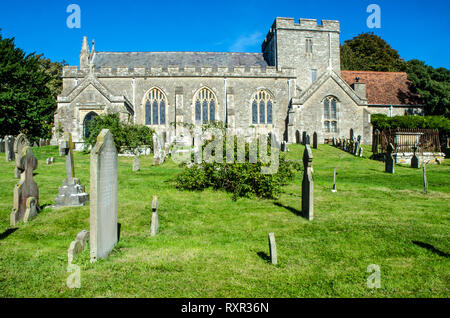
x=103, y=207
x=155, y=223
x=359, y=139
x=389, y=159
x=425, y=180
x=334, y=141
x=307, y=185
x=283, y=146
x=158, y=152
x=71, y=193
x=298, y=137
x=26, y=192
x=308, y=140
x=136, y=164
x=315, y=140
x=77, y=246
x=20, y=142
x=375, y=141
x=356, y=148
x=304, y=138
x=9, y=148
x=273, y=249
x=351, y=133
x=415, y=162
x=360, y=152
x=2, y=145
x=334, y=181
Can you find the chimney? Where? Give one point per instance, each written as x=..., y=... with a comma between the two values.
x=84, y=54
x=359, y=88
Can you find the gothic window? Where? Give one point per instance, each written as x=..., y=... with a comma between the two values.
x=87, y=120
x=155, y=108
x=262, y=108
x=330, y=114
x=205, y=106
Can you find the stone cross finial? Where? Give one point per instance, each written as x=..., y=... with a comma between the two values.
x=25, y=189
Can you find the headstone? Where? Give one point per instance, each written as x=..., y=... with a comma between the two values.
x=48, y=161
x=360, y=152
x=71, y=193
x=351, y=133
x=415, y=162
x=26, y=192
x=2, y=145
x=20, y=142
x=298, y=137
x=334, y=181
x=273, y=249
x=375, y=141
x=425, y=180
x=158, y=152
x=283, y=146
x=308, y=140
x=304, y=138
x=155, y=223
x=103, y=206
x=315, y=140
x=389, y=160
x=9, y=148
x=356, y=147
x=334, y=141
x=77, y=246
x=307, y=185
x=136, y=164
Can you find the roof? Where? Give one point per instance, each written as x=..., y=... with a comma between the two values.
x=181, y=59
x=385, y=88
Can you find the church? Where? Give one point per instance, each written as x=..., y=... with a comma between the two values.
x=294, y=85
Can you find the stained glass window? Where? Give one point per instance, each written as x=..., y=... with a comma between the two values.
x=262, y=108
x=330, y=114
x=205, y=106
x=155, y=108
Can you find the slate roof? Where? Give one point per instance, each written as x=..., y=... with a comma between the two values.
x=181, y=59
x=385, y=88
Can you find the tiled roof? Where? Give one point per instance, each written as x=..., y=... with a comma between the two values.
x=181, y=59
x=385, y=88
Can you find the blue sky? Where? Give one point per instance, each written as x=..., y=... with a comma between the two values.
x=417, y=29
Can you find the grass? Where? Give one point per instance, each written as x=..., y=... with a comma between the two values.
x=211, y=246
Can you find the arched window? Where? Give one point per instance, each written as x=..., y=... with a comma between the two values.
x=87, y=120
x=330, y=114
x=262, y=108
x=155, y=107
x=205, y=106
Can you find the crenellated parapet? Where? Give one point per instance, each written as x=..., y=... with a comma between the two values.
x=176, y=71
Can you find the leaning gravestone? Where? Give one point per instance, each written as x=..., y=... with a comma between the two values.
x=155, y=222
x=307, y=185
x=389, y=161
x=315, y=140
x=9, y=148
x=26, y=192
x=273, y=249
x=103, y=218
x=71, y=193
x=415, y=159
x=20, y=142
x=77, y=246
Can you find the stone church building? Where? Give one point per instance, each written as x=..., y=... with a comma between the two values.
x=294, y=85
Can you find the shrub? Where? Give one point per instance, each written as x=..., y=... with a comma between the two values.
x=381, y=121
x=126, y=136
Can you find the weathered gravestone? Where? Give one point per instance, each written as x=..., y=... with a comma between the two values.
x=304, y=138
x=77, y=246
x=26, y=192
x=2, y=145
x=155, y=222
x=136, y=163
x=298, y=137
x=71, y=193
x=415, y=162
x=389, y=159
x=20, y=142
x=356, y=148
x=283, y=146
x=315, y=140
x=9, y=148
x=103, y=214
x=308, y=139
x=360, y=152
x=273, y=249
x=307, y=185
x=158, y=152
x=334, y=181
x=375, y=141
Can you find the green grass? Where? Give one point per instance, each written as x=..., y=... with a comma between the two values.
x=212, y=246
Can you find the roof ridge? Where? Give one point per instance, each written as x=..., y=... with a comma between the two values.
x=373, y=72
x=97, y=52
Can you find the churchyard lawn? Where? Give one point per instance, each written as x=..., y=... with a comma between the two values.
x=211, y=246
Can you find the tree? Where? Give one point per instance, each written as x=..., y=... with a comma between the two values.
x=369, y=52
x=433, y=85
x=28, y=89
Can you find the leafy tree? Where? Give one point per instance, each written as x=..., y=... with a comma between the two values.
x=27, y=97
x=369, y=52
x=433, y=85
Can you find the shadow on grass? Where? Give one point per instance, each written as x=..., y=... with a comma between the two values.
x=431, y=248
x=293, y=210
x=264, y=256
x=7, y=233
x=42, y=207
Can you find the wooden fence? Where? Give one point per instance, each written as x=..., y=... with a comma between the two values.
x=403, y=140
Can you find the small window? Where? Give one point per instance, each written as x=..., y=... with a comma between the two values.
x=327, y=126
x=309, y=46
x=330, y=114
x=313, y=75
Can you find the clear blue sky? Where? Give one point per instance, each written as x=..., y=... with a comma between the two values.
x=417, y=29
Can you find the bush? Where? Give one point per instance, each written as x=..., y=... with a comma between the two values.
x=126, y=136
x=240, y=179
x=381, y=121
